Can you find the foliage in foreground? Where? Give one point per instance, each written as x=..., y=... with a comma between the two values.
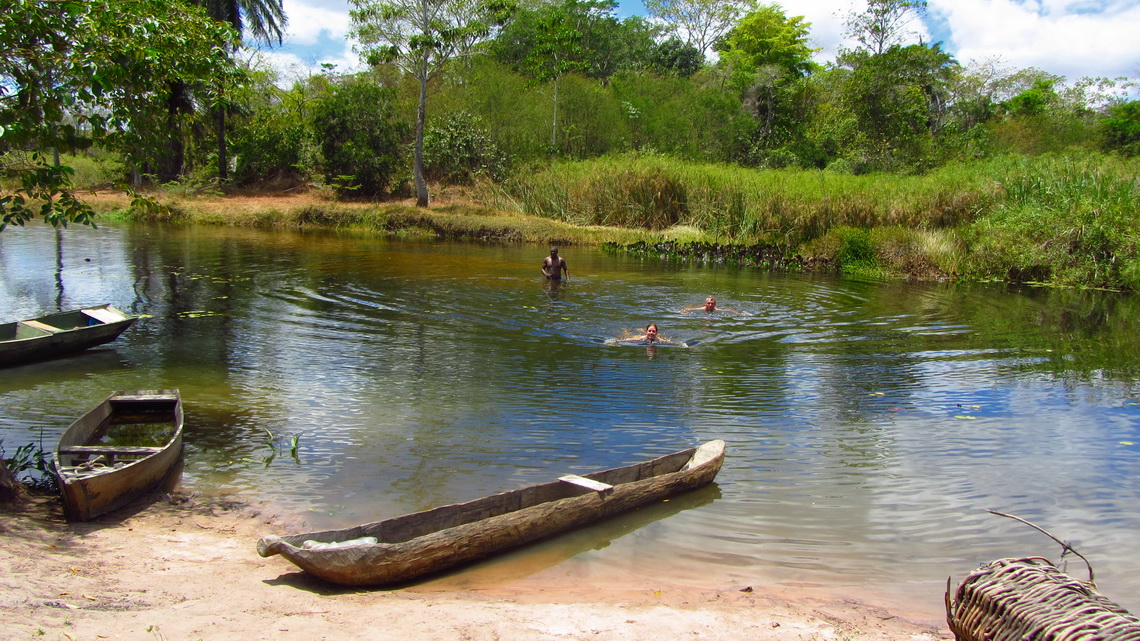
x=119, y=74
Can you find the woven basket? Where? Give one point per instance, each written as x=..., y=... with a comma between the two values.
x=1030, y=599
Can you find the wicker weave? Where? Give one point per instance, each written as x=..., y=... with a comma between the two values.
x=1030, y=599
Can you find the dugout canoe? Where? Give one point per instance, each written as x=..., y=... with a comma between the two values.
x=128, y=445
x=53, y=335
x=407, y=547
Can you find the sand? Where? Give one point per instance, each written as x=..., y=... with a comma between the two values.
x=178, y=567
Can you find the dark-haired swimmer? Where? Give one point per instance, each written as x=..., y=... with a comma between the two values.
x=652, y=337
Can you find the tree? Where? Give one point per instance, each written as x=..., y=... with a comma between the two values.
x=699, y=22
x=421, y=36
x=767, y=37
x=883, y=23
x=572, y=35
x=264, y=20
x=360, y=136
x=675, y=58
x=78, y=72
x=899, y=98
x=1122, y=128
x=767, y=52
x=575, y=35
x=1033, y=101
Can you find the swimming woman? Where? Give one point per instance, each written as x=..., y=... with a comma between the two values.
x=651, y=337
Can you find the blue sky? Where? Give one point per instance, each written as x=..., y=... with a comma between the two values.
x=1070, y=38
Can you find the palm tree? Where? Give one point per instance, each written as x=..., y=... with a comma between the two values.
x=264, y=20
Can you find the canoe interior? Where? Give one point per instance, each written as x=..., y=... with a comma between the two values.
x=123, y=428
x=411, y=526
x=63, y=321
x=20, y=331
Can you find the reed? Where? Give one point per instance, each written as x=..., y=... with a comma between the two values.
x=1061, y=219
x=787, y=206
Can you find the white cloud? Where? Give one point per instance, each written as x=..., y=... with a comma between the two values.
x=1071, y=38
x=308, y=19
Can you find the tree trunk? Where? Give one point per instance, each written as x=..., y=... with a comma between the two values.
x=223, y=159
x=421, y=117
x=11, y=490
x=554, y=127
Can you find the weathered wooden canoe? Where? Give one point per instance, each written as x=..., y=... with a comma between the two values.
x=130, y=444
x=407, y=547
x=57, y=334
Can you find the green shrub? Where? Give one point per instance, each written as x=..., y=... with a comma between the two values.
x=361, y=138
x=458, y=148
x=273, y=150
x=1121, y=129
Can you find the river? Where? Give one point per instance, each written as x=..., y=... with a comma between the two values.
x=337, y=379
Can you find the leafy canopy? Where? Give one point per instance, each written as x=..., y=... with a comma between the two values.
x=420, y=37
x=74, y=72
x=767, y=37
x=884, y=23
x=699, y=23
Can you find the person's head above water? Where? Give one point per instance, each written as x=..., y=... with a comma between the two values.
x=651, y=331
x=553, y=251
x=710, y=304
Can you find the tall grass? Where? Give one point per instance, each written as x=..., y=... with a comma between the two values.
x=1064, y=220
x=786, y=207
x=1059, y=219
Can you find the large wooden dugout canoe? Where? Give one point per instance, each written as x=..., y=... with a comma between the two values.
x=35, y=339
x=130, y=444
x=407, y=547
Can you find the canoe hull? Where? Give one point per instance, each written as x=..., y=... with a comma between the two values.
x=87, y=495
x=29, y=341
x=457, y=534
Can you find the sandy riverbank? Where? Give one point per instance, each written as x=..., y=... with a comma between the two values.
x=181, y=568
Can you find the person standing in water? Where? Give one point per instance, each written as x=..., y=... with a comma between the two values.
x=554, y=266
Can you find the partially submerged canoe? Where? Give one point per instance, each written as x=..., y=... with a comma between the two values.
x=130, y=444
x=35, y=339
x=407, y=547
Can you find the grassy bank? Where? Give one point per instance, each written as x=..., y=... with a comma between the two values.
x=1058, y=220
x=1070, y=221
x=449, y=218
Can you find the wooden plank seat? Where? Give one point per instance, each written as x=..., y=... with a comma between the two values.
x=145, y=398
x=103, y=315
x=43, y=327
x=589, y=484
x=108, y=450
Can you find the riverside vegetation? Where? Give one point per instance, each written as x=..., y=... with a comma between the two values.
x=1069, y=220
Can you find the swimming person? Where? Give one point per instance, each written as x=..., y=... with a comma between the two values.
x=652, y=337
x=710, y=307
x=553, y=266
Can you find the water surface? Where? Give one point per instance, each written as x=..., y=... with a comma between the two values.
x=868, y=424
